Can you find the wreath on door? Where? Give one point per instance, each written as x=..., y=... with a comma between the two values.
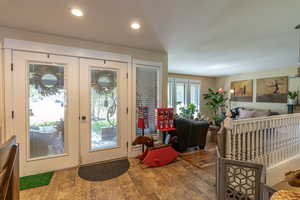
x=47, y=80
x=104, y=81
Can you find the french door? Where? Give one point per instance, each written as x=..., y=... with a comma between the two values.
x=103, y=107
x=45, y=93
x=68, y=111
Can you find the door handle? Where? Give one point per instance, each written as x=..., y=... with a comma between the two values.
x=83, y=118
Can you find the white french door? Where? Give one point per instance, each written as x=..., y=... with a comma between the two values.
x=103, y=110
x=46, y=99
x=68, y=111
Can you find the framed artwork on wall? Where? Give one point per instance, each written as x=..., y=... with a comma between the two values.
x=272, y=90
x=242, y=90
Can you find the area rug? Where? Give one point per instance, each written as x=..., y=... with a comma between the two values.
x=27, y=182
x=104, y=171
x=202, y=159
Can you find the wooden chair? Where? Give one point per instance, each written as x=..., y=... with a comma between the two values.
x=9, y=170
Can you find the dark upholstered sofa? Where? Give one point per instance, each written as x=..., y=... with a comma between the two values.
x=190, y=133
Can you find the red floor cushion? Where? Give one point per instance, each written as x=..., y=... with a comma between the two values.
x=159, y=156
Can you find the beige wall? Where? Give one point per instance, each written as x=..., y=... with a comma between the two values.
x=205, y=83
x=73, y=42
x=294, y=85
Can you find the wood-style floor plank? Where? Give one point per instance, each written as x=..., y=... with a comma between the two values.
x=190, y=177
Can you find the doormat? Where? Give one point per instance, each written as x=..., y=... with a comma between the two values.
x=33, y=181
x=104, y=171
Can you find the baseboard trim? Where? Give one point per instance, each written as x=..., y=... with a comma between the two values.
x=276, y=173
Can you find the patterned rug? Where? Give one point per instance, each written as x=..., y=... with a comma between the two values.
x=203, y=159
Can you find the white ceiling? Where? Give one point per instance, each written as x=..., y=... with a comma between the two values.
x=203, y=37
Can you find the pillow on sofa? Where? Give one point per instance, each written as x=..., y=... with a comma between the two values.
x=262, y=113
x=235, y=112
x=244, y=114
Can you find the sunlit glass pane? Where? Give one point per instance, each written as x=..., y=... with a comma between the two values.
x=146, y=94
x=104, y=106
x=180, y=96
x=46, y=110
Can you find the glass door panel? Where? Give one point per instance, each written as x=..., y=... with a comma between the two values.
x=46, y=110
x=104, y=108
x=103, y=103
x=147, y=94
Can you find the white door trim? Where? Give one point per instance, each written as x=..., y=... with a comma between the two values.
x=8, y=93
x=88, y=155
x=134, y=151
x=23, y=45
x=147, y=63
x=69, y=158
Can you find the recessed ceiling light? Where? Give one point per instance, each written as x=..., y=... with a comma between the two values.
x=135, y=26
x=77, y=12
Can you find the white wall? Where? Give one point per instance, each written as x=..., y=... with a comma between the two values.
x=294, y=84
x=277, y=173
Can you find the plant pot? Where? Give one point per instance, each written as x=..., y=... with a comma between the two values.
x=291, y=102
x=214, y=133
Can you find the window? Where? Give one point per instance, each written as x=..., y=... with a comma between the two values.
x=182, y=92
x=181, y=95
x=47, y=91
x=170, y=94
x=195, y=94
x=147, y=91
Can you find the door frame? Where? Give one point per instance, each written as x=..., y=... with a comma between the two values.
x=9, y=45
x=69, y=157
x=136, y=150
x=111, y=153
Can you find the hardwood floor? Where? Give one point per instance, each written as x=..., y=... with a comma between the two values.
x=178, y=180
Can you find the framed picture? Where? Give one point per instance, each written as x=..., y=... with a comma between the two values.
x=272, y=90
x=242, y=91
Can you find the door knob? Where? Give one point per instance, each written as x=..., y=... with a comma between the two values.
x=83, y=117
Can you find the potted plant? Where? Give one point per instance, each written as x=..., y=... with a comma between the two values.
x=187, y=112
x=216, y=102
x=292, y=98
